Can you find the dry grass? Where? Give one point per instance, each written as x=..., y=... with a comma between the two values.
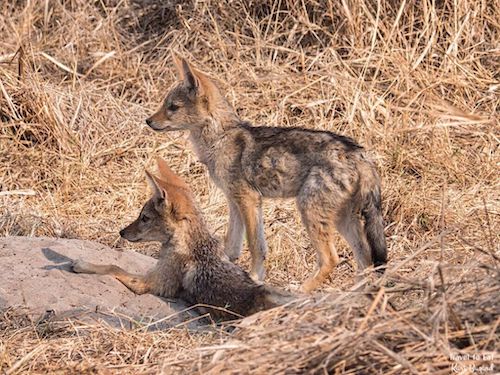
x=416, y=84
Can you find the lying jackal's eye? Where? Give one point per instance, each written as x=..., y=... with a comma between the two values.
x=144, y=218
x=173, y=107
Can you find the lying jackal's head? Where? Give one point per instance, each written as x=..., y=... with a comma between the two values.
x=191, y=103
x=169, y=210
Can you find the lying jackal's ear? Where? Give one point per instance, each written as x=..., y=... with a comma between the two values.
x=154, y=183
x=181, y=201
x=169, y=176
x=173, y=190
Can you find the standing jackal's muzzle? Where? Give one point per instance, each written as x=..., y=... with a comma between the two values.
x=160, y=122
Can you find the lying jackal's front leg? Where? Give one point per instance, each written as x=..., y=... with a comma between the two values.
x=136, y=283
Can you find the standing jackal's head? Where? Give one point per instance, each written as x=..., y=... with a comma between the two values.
x=191, y=103
x=169, y=211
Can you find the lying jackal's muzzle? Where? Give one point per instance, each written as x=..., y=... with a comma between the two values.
x=127, y=235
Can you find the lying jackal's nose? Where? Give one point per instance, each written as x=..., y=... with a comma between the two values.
x=122, y=233
x=149, y=122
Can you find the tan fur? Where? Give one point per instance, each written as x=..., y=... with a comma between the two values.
x=332, y=179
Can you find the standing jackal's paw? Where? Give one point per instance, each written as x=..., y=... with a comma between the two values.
x=309, y=285
x=80, y=266
x=258, y=274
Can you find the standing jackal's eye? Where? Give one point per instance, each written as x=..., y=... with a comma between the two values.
x=172, y=107
x=144, y=218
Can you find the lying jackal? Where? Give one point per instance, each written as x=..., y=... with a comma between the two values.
x=333, y=180
x=192, y=266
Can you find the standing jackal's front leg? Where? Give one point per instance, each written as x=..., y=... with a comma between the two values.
x=250, y=205
x=235, y=231
x=136, y=283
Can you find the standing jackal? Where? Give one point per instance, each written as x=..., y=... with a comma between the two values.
x=192, y=266
x=333, y=180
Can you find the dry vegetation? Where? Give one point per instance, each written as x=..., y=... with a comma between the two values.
x=416, y=84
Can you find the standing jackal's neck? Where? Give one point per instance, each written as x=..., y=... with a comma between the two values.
x=221, y=118
x=207, y=138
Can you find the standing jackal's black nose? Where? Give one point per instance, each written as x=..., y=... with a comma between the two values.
x=149, y=122
x=122, y=233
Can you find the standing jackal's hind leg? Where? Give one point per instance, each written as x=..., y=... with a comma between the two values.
x=136, y=283
x=326, y=255
x=319, y=226
x=350, y=227
x=317, y=201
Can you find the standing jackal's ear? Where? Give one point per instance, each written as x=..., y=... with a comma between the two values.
x=178, y=65
x=185, y=72
x=177, y=60
x=194, y=80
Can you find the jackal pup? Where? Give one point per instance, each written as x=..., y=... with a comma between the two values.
x=332, y=178
x=192, y=266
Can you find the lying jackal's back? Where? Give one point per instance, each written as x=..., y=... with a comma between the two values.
x=210, y=279
x=213, y=281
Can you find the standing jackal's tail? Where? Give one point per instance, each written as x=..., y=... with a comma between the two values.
x=371, y=209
